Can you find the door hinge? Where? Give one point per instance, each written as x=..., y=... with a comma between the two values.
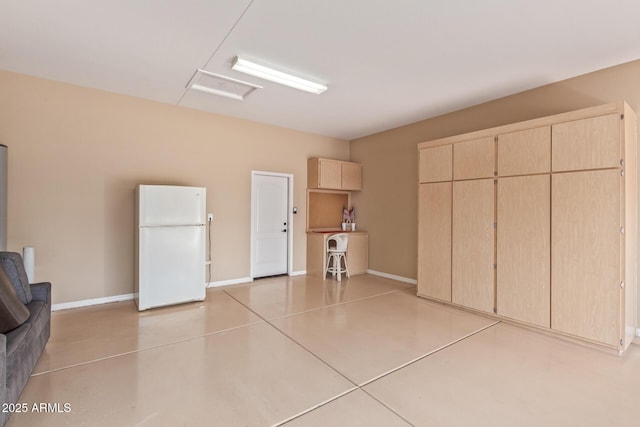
x=621, y=230
x=622, y=343
x=495, y=266
x=622, y=285
x=495, y=310
x=621, y=116
x=495, y=225
x=622, y=172
x=495, y=139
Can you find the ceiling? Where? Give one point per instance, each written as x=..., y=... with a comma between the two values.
x=387, y=63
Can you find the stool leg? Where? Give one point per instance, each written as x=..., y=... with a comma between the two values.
x=339, y=266
x=346, y=267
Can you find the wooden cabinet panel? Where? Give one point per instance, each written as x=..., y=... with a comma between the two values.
x=334, y=174
x=351, y=176
x=434, y=240
x=436, y=164
x=330, y=174
x=474, y=159
x=525, y=152
x=585, y=243
x=587, y=144
x=358, y=253
x=524, y=249
x=473, y=244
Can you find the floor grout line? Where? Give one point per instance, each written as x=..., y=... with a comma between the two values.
x=417, y=359
x=306, y=411
x=356, y=386
x=295, y=341
x=140, y=350
x=334, y=305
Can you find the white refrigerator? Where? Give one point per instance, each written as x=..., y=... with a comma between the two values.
x=169, y=245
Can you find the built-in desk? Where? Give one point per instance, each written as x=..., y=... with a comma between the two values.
x=357, y=251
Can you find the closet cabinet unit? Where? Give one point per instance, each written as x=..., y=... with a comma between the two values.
x=474, y=158
x=523, y=249
x=543, y=223
x=587, y=239
x=472, y=273
x=332, y=174
x=434, y=240
x=436, y=164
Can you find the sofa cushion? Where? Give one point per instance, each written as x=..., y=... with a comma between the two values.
x=13, y=312
x=13, y=266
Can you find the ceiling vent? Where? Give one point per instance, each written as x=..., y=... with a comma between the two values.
x=215, y=84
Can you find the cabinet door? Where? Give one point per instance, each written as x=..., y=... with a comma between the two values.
x=330, y=174
x=358, y=253
x=434, y=240
x=473, y=244
x=585, y=247
x=436, y=164
x=474, y=159
x=351, y=176
x=587, y=144
x=525, y=152
x=524, y=249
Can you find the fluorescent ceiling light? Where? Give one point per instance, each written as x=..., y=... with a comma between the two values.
x=216, y=84
x=267, y=73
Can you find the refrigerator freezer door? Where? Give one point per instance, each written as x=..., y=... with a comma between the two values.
x=161, y=205
x=171, y=266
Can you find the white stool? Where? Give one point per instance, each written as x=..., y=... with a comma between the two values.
x=336, y=254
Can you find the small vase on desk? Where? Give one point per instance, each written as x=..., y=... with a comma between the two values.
x=344, y=226
x=353, y=226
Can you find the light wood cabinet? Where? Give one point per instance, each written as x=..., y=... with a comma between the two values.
x=474, y=159
x=436, y=164
x=472, y=277
x=523, y=249
x=525, y=152
x=334, y=174
x=590, y=143
x=434, y=240
x=551, y=241
x=586, y=236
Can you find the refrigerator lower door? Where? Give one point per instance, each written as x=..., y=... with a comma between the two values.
x=171, y=266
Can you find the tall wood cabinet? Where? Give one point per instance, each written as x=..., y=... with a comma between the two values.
x=536, y=222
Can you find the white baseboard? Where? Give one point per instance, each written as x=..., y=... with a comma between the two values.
x=393, y=277
x=90, y=302
x=298, y=273
x=229, y=282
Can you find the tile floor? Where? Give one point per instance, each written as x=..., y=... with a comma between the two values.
x=303, y=352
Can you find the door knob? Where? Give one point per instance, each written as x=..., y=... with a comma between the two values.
x=284, y=231
x=284, y=223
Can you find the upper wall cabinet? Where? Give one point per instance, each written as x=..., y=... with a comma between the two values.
x=436, y=164
x=334, y=174
x=474, y=159
x=591, y=143
x=525, y=152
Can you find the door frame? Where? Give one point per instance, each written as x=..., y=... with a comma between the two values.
x=289, y=178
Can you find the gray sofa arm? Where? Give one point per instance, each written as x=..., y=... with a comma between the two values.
x=41, y=292
x=3, y=369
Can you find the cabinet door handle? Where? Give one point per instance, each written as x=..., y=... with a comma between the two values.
x=284, y=231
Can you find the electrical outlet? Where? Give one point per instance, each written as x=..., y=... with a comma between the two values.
x=210, y=217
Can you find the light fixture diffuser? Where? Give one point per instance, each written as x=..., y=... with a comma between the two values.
x=216, y=84
x=275, y=76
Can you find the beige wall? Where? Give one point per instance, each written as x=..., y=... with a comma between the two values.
x=387, y=205
x=76, y=154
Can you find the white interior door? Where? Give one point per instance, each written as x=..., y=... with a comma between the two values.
x=270, y=225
